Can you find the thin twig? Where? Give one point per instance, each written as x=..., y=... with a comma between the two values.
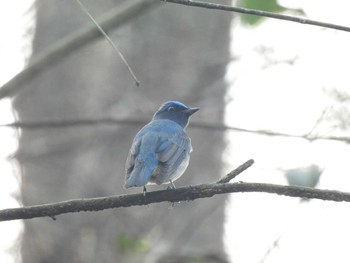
x=231, y=175
x=174, y=195
x=109, y=40
x=318, y=121
x=199, y=125
x=275, y=245
x=258, y=13
x=67, y=45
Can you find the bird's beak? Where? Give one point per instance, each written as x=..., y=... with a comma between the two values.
x=190, y=111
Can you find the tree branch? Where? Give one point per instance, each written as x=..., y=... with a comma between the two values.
x=258, y=13
x=67, y=45
x=200, y=125
x=186, y=193
x=231, y=175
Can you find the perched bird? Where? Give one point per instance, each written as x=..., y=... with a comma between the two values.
x=160, y=152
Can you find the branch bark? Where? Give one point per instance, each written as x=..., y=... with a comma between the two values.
x=258, y=13
x=187, y=193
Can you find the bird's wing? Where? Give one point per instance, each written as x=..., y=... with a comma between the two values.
x=171, y=153
x=142, y=160
x=130, y=161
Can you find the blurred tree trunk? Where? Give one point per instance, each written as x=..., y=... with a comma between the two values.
x=178, y=53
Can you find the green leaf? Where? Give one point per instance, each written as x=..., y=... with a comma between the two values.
x=264, y=5
x=128, y=244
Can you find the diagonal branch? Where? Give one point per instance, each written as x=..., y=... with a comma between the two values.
x=66, y=46
x=231, y=175
x=258, y=13
x=137, y=82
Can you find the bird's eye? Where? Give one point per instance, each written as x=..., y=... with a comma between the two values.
x=171, y=109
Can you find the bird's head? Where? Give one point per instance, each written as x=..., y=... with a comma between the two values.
x=175, y=111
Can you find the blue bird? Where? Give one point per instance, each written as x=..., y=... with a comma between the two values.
x=160, y=152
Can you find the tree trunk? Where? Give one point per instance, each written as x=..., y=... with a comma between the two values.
x=177, y=53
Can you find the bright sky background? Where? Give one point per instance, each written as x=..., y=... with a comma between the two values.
x=268, y=92
x=13, y=51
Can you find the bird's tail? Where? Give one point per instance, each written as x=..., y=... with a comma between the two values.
x=138, y=177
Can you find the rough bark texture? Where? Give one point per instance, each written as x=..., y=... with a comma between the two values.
x=177, y=53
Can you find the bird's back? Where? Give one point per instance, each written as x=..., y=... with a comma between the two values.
x=159, y=153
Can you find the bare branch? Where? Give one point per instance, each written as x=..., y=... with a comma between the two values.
x=200, y=125
x=171, y=195
x=67, y=45
x=231, y=175
x=258, y=13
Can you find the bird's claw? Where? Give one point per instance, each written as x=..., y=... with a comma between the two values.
x=172, y=185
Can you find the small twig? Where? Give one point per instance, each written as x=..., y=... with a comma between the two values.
x=231, y=175
x=275, y=245
x=318, y=121
x=109, y=40
x=258, y=13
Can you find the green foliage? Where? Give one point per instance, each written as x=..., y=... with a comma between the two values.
x=128, y=244
x=264, y=5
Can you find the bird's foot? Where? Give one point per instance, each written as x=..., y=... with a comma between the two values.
x=172, y=185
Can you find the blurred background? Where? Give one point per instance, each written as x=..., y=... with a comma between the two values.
x=245, y=72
